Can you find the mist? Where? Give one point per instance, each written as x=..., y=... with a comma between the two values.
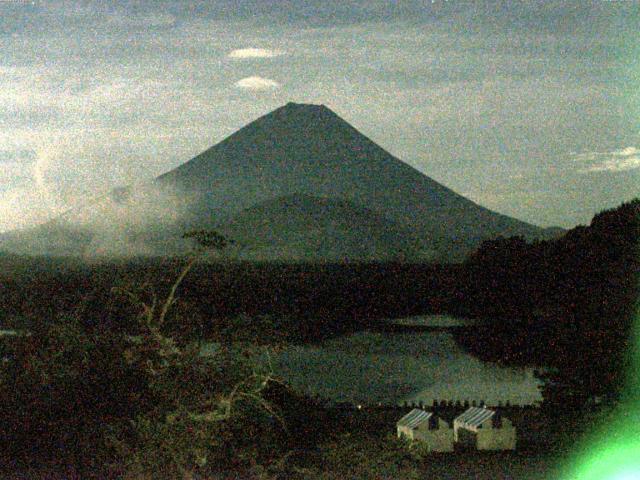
x=141, y=220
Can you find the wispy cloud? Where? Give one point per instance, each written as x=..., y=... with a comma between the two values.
x=626, y=152
x=254, y=53
x=22, y=202
x=257, y=83
x=615, y=165
x=15, y=168
x=621, y=160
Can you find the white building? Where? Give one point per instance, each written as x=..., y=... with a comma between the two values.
x=484, y=429
x=427, y=428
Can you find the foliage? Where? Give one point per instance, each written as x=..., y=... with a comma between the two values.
x=61, y=385
x=567, y=304
x=323, y=299
x=208, y=239
x=129, y=378
x=203, y=411
x=200, y=408
x=156, y=405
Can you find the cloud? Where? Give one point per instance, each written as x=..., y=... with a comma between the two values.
x=118, y=222
x=22, y=207
x=615, y=165
x=24, y=196
x=627, y=152
x=257, y=83
x=16, y=163
x=254, y=53
x=621, y=160
x=13, y=175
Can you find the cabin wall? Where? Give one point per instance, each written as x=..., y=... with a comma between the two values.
x=405, y=432
x=486, y=437
x=439, y=439
x=459, y=429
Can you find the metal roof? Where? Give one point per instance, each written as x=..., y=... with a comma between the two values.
x=474, y=417
x=414, y=418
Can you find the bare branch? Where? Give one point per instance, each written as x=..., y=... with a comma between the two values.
x=169, y=301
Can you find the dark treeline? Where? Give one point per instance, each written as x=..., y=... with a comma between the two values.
x=314, y=300
x=567, y=304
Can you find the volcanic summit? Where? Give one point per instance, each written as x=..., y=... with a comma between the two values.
x=297, y=184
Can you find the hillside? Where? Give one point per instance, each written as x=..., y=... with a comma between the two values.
x=305, y=228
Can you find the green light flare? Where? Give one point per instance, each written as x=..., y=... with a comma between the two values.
x=610, y=458
x=613, y=451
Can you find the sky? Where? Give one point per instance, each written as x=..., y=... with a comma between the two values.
x=531, y=109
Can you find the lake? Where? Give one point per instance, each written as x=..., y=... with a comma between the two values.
x=442, y=321
x=393, y=368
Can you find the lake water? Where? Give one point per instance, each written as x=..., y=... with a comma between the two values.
x=373, y=367
x=433, y=321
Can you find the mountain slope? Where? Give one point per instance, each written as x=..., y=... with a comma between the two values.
x=308, y=149
x=306, y=228
x=307, y=162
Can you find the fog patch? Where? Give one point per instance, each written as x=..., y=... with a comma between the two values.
x=132, y=221
x=142, y=220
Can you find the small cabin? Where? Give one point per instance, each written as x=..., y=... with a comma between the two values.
x=425, y=427
x=480, y=428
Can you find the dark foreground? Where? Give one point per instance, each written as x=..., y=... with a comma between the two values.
x=476, y=466
x=354, y=444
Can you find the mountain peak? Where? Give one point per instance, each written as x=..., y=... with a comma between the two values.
x=304, y=106
x=297, y=110
x=302, y=153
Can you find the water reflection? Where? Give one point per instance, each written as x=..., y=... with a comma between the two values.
x=386, y=367
x=398, y=367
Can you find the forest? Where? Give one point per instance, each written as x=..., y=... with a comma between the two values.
x=568, y=304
